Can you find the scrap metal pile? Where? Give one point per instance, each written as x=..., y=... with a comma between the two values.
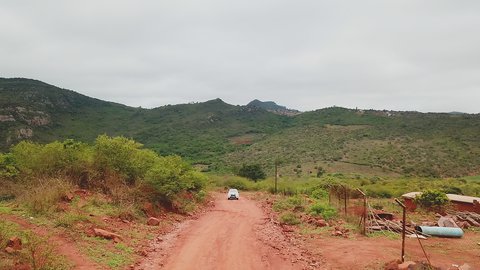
x=381, y=221
x=449, y=225
x=466, y=219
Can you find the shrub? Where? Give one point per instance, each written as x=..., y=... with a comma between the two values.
x=171, y=176
x=25, y=156
x=319, y=193
x=324, y=210
x=289, y=218
x=122, y=156
x=68, y=157
x=200, y=196
x=295, y=201
x=291, y=203
x=379, y=192
x=253, y=172
x=432, y=198
x=7, y=166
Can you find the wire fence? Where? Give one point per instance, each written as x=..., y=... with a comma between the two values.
x=351, y=203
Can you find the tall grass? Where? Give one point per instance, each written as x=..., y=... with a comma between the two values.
x=41, y=196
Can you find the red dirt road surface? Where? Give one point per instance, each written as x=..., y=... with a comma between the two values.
x=233, y=235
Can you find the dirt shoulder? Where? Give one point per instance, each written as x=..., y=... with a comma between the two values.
x=233, y=235
x=373, y=252
x=63, y=246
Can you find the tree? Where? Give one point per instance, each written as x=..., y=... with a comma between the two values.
x=253, y=172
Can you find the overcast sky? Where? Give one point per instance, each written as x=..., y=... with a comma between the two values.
x=419, y=55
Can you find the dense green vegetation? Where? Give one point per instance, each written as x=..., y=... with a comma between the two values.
x=375, y=187
x=68, y=186
x=222, y=136
x=252, y=171
x=110, y=164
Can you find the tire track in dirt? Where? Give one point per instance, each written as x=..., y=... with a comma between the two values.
x=233, y=235
x=63, y=246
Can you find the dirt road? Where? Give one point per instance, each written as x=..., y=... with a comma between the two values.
x=233, y=235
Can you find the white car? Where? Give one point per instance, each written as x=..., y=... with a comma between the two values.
x=233, y=194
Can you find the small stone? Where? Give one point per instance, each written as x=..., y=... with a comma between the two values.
x=9, y=250
x=465, y=266
x=81, y=192
x=15, y=243
x=321, y=223
x=337, y=233
x=153, y=221
x=106, y=234
x=68, y=197
x=405, y=265
x=89, y=232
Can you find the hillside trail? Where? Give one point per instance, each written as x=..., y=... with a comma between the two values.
x=62, y=244
x=235, y=234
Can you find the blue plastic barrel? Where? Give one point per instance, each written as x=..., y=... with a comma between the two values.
x=441, y=231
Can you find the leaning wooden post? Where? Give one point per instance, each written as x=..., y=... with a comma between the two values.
x=345, y=198
x=403, y=227
x=364, y=229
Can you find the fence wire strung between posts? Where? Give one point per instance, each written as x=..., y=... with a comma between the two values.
x=355, y=207
x=352, y=203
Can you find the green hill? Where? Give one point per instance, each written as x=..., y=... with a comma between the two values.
x=225, y=136
x=201, y=132
x=405, y=143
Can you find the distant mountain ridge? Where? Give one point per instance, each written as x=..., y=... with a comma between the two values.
x=222, y=136
x=273, y=107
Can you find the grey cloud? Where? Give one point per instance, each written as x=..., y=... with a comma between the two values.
x=402, y=55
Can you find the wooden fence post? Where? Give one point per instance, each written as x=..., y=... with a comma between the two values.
x=403, y=227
